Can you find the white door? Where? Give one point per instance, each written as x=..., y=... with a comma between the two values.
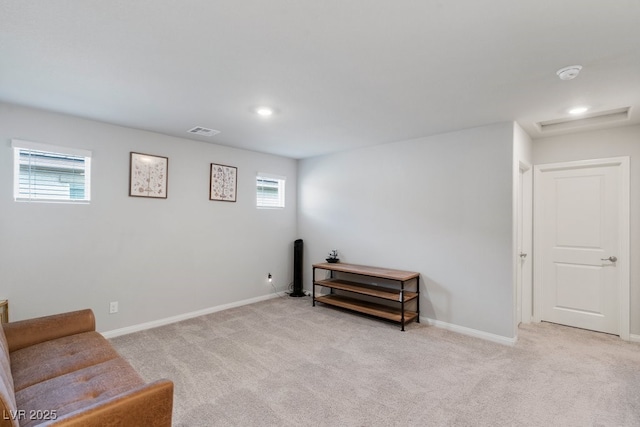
x=581, y=228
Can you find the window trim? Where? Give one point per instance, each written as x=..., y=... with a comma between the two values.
x=18, y=144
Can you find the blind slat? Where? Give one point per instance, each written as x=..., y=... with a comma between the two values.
x=270, y=192
x=43, y=175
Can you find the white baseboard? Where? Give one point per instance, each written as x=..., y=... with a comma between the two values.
x=470, y=332
x=437, y=323
x=634, y=338
x=168, y=320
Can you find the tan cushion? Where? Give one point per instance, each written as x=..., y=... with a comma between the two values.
x=7, y=398
x=51, y=359
x=79, y=389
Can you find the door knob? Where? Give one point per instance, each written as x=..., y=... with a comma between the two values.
x=611, y=258
x=523, y=255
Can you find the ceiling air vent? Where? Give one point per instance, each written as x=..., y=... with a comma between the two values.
x=596, y=119
x=199, y=130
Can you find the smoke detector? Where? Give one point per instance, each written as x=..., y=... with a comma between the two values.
x=569, y=73
x=199, y=130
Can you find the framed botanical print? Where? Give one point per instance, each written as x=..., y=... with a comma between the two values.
x=148, y=176
x=223, y=184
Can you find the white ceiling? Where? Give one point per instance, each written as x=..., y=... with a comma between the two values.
x=341, y=74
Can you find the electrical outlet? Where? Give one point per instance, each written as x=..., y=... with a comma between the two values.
x=113, y=307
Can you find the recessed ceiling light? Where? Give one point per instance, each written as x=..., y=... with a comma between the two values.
x=578, y=110
x=264, y=111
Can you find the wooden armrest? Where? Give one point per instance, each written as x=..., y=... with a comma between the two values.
x=25, y=333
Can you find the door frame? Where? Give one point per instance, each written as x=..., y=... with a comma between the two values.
x=623, y=262
x=524, y=242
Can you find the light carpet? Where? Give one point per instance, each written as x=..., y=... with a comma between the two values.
x=283, y=362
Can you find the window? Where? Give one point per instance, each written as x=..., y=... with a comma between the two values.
x=270, y=190
x=47, y=173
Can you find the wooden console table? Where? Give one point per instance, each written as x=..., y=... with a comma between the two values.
x=394, y=293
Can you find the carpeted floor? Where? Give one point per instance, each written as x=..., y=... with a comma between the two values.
x=283, y=362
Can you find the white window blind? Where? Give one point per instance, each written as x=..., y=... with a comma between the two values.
x=270, y=191
x=44, y=172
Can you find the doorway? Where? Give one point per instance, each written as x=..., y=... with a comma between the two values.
x=581, y=244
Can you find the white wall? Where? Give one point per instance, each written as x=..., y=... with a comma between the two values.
x=158, y=258
x=440, y=205
x=615, y=142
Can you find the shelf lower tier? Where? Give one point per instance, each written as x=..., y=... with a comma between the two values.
x=389, y=294
x=373, y=309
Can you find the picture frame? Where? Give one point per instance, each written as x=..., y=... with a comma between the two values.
x=148, y=175
x=223, y=183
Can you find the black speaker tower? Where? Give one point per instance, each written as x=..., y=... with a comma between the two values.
x=297, y=269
